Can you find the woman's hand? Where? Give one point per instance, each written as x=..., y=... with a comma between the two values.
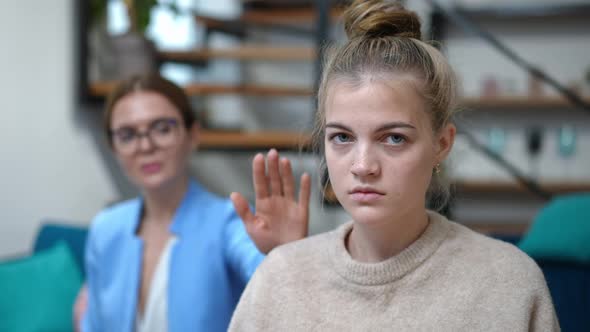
x=279, y=217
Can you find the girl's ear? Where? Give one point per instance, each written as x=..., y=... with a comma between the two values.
x=445, y=140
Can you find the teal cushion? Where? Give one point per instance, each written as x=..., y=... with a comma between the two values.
x=38, y=292
x=561, y=230
x=53, y=232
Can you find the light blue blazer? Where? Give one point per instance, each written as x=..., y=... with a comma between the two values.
x=210, y=265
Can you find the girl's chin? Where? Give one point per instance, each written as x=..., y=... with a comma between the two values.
x=371, y=218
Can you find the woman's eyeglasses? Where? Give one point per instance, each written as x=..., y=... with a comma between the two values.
x=162, y=133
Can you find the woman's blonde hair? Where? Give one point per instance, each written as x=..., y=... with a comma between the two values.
x=384, y=42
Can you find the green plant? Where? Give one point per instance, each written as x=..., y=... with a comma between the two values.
x=139, y=13
x=98, y=11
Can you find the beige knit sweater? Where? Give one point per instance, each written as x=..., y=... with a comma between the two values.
x=450, y=279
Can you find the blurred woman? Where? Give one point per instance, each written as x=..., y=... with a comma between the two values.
x=178, y=257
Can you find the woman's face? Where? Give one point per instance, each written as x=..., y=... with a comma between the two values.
x=150, y=140
x=380, y=149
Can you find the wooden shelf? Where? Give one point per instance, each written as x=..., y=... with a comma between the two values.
x=102, y=89
x=239, y=27
x=286, y=16
x=246, y=52
x=513, y=187
x=516, y=102
x=496, y=228
x=222, y=140
x=526, y=11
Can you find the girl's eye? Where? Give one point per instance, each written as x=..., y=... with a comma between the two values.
x=341, y=138
x=395, y=139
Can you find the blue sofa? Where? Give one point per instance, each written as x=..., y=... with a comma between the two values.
x=38, y=290
x=52, y=232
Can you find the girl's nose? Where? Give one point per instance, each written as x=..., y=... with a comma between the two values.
x=365, y=162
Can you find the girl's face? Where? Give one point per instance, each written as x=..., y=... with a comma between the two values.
x=380, y=149
x=150, y=140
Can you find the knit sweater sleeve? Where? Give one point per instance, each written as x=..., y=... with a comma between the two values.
x=258, y=300
x=529, y=294
x=542, y=316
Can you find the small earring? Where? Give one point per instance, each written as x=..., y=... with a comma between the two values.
x=437, y=169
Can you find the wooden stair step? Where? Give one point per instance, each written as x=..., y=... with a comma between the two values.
x=286, y=15
x=238, y=27
x=227, y=140
x=494, y=228
x=246, y=52
x=521, y=102
x=102, y=89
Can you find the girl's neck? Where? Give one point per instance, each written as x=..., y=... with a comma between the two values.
x=371, y=243
x=161, y=205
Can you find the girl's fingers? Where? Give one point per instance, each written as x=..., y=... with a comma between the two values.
x=276, y=187
x=242, y=208
x=287, y=179
x=259, y=177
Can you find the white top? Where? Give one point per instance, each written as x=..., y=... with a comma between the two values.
x=155, y=317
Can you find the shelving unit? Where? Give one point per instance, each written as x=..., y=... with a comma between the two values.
x=297, y=17
x=511, y=12
x=282, y=19
x=503, y=206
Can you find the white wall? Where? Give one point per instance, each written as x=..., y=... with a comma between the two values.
x=50, y=165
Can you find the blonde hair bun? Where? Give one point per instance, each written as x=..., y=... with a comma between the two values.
x=380, y=18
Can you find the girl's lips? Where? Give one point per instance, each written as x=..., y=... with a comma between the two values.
x=151, y=168
x=365, y=196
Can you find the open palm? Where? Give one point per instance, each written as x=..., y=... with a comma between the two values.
x=279, y=217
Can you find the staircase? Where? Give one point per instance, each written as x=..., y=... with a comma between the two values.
x=301, y=21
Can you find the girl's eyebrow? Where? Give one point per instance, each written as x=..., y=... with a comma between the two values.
x=337, y=125
x=386, y=126
x=394, y=125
